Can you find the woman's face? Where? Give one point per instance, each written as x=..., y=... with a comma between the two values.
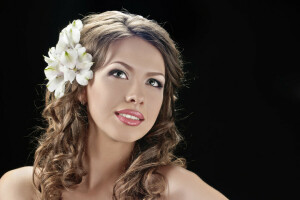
x=132, y=78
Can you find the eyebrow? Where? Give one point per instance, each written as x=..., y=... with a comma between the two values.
x=131, y=69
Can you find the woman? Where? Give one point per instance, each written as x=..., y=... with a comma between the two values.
x=111, y=132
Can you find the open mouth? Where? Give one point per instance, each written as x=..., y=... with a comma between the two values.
x=129, y=116
x=129, y=119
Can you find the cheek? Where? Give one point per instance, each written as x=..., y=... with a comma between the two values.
x=154, y=99
x=105, y=95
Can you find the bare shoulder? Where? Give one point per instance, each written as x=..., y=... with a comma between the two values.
x=17, y=184
x=186, y=185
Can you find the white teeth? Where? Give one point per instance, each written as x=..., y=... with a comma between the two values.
x=129, y=116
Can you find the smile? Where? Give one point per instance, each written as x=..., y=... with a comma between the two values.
x=129, y=119
x=129, y=116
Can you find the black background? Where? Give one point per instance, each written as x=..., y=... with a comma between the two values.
x=243, y=99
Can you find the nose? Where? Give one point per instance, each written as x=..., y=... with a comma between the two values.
x=135, y=94
x=135, y=99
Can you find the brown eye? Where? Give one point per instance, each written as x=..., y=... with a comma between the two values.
x=155, y=83
x=118, y=73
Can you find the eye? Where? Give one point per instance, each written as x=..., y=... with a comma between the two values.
x=155, y=83
x=118, y=73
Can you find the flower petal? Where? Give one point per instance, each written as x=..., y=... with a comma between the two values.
x=60, y=90
x=52, y=53
x=78, y=46
x=83, y=77
x=80, y=50
x=77, y=24
x=69, y=58
x=84, y=56
x=55, y=83
x=61, y=47
x=84, y=65
x=69, y=74
x=75, y=35
x=63, y=36
x=48, y=60
x=51, y=72
x=63, y=42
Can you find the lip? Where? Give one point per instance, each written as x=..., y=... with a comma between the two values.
x=132, y=112
x=130, y=122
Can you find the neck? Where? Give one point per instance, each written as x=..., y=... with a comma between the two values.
x=105, y=159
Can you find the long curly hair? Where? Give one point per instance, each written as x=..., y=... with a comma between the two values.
x=58, y=163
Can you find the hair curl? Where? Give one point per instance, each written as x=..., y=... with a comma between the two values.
x=58, y=163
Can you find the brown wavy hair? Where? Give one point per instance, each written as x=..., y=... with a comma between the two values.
x=58, y=163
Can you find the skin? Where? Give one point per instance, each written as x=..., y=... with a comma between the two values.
x=111, y=141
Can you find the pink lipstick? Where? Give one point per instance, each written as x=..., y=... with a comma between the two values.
x=130, y=117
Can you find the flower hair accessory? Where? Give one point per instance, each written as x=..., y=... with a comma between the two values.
x=68, y=60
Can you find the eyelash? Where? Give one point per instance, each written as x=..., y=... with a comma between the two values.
x=116, y=71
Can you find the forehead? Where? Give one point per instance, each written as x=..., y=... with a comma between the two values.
x=137, y=53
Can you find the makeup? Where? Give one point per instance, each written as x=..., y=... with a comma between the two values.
x=124, y=103
x=130, y=117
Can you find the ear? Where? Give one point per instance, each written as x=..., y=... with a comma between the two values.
x=82, y=97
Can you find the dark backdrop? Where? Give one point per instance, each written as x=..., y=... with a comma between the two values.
x=242, y=63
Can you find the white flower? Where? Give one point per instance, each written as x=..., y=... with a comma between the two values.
x=68, y=60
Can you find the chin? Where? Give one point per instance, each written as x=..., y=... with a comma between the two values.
x=125, y=138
